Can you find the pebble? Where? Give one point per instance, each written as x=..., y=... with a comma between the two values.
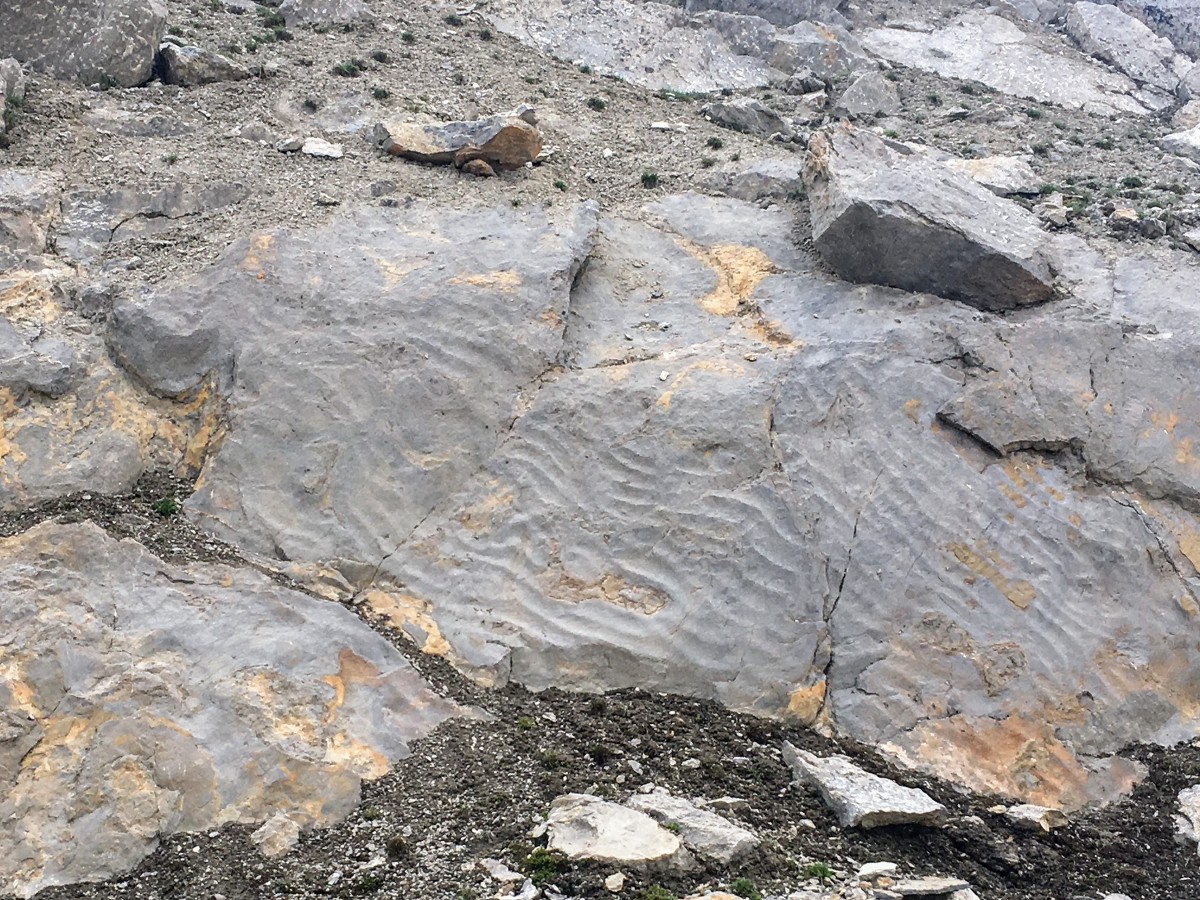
x=615, y=882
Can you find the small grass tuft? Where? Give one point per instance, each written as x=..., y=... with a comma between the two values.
x=596, y=103
x=347, y=69
x=649, y=180
x=166, y=507
x=454, y=19
x=744, y=887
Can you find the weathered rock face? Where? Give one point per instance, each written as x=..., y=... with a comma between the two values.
x=93, y=218
x=747, y=115
x=607, y=502
x=368, y=281
x=777, y=12
x=995, y=51
x=888, y=217
x=827, y=50
x=1123, y=42
x=505, y=142
x=1177, y=20
x=868, y=96
x=141, y=699
x=1002, y=175
x=93, y=40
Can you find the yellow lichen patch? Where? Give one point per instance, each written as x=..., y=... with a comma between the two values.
x=772, y=333
x=399, y=610
x=912, y=409
x=719, y=366
x=504, y=280
x=261, y=255
x=983, y=561
x=479, y=517
x=739, y=270
x=806, y=702
x=1182, y=525
x=427, y=461
x=28, y=297
x=1165, y=423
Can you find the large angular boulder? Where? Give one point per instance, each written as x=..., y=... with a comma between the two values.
x=868, y=96
x=505, y=142
x=827, y=50
x=1176, y=20
x=859, y=798
x=105, y=41
x=142, y=699
x=1120, y=40
x=885, y=215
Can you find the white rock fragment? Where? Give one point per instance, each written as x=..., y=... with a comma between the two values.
x=615, y=883
x=871, y=871
x=499, y=871
x=705, y=833
x=277, y=836
x=1188, y=822
x=860, y=799
x=582, y=826
x=321, y=149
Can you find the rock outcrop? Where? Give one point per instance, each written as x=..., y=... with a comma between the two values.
x=884, y=215
x=97, y=41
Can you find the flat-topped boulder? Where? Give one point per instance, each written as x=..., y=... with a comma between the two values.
x=885, y=215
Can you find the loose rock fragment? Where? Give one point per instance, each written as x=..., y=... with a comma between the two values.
x=314, y=12
x=933, y=886
x=190, y=66
x=747, y=115
x=505, y=142
x=707, y=834
x=870, y=95
x=1183, y=143
x=883, y=215
x=1111, y=35
x=278, y=835
x=859, y=798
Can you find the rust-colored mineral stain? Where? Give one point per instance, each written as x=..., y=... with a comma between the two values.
x=261, y=254
x=806, y=701
x=1019, y=756
x=559, y=584
x=984, y=562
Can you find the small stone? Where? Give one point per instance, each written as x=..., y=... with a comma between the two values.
x=479, y=168
x=687, y=763
x=324, y=199
x=290, y=145
x=1187, y=824
x=871, y=871
x=191, y=66
x=615, y=882
x=1035, y=818
x=499, y=871
x=1152, y=228
x=1123, y=218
